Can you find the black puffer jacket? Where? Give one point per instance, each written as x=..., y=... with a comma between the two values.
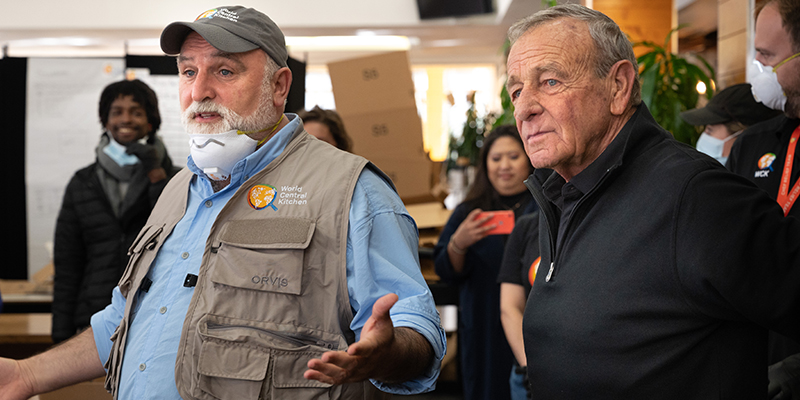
x=91, y=246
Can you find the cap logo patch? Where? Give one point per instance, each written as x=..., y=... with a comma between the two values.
x=208, y=14
x=223, y=13
x=262, y=196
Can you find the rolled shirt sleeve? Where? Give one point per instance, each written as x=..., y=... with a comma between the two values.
x=382, y=258
x=105, y=322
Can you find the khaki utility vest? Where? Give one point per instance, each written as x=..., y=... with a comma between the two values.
x=272, y=289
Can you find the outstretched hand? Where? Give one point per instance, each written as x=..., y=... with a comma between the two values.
x=784, y=379
x=365, y=359
x=12, y=384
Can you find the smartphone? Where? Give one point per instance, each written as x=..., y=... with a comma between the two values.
x=504, y=221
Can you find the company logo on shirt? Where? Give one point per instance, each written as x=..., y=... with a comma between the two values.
x=532, y=270
x=270, y=280
x=262, y=196
x=765, y=165
x=293, y=195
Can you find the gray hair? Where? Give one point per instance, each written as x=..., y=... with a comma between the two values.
x=270, y=68
x=611, y=45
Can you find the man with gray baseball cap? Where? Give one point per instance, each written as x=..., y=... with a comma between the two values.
x=262, y=272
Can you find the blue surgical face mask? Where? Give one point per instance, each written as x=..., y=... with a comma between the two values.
x=714, y=147
x=118, y=153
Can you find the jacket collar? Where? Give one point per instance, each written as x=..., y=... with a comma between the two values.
x=786, y=127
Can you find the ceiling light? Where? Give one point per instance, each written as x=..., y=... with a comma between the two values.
x=347, y=43
x=65, y=41
x=149, y=42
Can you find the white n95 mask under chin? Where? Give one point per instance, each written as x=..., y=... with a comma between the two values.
x=217, y=153
x=765, y=87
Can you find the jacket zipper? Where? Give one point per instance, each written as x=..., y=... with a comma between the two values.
x=296, y=339
x=539, y=197
x=547, y=212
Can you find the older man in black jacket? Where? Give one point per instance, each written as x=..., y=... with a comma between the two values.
x=659, y=269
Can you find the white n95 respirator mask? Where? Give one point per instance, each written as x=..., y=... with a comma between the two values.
x=217, y=153
x=765, y=86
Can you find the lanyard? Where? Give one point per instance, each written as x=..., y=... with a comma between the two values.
x=785, y=198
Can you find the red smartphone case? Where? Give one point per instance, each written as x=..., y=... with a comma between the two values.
x=503, y=219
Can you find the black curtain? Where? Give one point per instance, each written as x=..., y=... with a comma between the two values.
x=13, y=73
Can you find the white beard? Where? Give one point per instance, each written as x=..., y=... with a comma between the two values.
x=265, y=115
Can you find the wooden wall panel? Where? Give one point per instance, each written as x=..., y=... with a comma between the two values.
x=640, y=20
x=732, y=41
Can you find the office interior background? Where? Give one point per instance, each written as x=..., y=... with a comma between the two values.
x=453, y=50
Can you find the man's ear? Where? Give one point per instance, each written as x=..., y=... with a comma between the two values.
x=281, y=82
x=622, y=76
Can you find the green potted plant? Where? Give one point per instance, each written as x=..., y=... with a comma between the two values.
x=465, y=149
x=669, y=86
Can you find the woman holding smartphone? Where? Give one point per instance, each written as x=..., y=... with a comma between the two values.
x=469, y=256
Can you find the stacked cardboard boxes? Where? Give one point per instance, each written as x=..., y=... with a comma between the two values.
x=375, y=97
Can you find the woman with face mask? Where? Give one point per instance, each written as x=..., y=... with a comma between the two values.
x=725, y=117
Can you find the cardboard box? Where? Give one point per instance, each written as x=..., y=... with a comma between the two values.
x=375, y=97
x=372, y=84
x=395, y=133
x=411, y=175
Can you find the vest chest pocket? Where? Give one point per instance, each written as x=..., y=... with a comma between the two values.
x=249, y=360
x=264, y=254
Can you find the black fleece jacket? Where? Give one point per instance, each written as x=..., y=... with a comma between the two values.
x=669, y=271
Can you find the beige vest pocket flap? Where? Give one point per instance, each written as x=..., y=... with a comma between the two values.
x=231, y=361
x=231, y=372
x=145, y=238
x=269, y=233
x=279, y=271
x=264, y=255
x=289, y=369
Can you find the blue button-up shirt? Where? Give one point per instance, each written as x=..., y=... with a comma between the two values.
x=382, y=258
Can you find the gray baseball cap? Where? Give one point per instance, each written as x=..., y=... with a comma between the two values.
x=233, y=29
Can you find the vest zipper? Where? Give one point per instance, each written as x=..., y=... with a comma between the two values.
x=297, y=339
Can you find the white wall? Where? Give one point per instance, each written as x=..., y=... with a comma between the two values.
x=155, y=14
